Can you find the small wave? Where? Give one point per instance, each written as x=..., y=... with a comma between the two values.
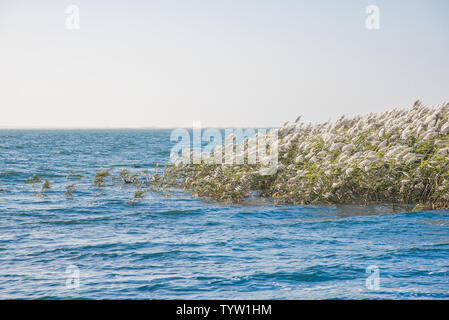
x=143, y=256
x=6, y=174
x=180, y=212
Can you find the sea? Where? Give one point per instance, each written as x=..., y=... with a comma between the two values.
x=95, y=244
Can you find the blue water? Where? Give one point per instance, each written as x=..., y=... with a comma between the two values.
x=179, y=247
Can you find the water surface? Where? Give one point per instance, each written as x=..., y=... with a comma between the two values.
x=179, y=247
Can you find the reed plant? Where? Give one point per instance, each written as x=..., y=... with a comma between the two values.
x=398, y=156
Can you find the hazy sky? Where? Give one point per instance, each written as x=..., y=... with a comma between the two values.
x=225, y=63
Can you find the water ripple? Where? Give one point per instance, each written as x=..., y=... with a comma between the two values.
x=181, y=247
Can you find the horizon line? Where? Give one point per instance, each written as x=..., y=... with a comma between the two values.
x=130, y=128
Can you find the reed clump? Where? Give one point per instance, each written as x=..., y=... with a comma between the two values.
x=35, y=178
x=139, y=194
x=100, y=177
x=70, y=190
x=398, y=156
x=45, y=186
x=75, y=175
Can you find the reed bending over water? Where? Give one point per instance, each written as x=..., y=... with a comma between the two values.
x=399, y=156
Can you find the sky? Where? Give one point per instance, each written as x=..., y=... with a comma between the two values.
x=246, y=63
